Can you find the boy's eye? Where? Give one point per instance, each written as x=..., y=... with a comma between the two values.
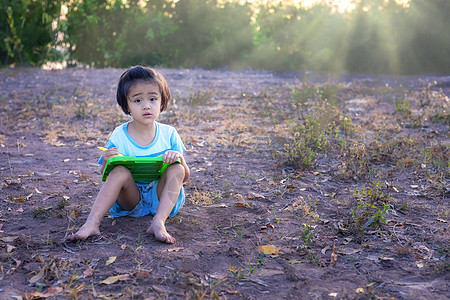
x=152, y=99
x=138, y=100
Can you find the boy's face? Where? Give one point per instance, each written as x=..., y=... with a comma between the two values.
x=144, y=102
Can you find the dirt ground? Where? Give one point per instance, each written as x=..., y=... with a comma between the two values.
x=366, y=219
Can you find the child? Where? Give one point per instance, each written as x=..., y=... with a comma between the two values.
x=142, y=93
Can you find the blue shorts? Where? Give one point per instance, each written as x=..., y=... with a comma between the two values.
x=148, y=204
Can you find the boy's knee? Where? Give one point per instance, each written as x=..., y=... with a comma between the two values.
x=176, y=170
x=120, y=172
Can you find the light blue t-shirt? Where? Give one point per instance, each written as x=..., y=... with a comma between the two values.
x=166, y=138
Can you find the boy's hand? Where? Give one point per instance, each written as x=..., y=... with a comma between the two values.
x=171, y=156
x=110, y=153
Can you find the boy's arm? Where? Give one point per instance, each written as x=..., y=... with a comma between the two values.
x=171, y=156
x=107, y=155
x=187, y=171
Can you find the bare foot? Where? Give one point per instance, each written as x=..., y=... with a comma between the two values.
x=159, y=231
x=84, y=232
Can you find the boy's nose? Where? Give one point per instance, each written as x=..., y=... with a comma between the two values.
x=146, y=104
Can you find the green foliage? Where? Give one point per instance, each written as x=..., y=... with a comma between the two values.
x=372, y=205
x=318, y=125
x=376, y=37
x=26, y=33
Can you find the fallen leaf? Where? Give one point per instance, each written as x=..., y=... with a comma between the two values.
x=123, y=246
x=37, y=191
x=293, y=261
x=252, y=195
x=73, y=213
x=360, y=291
x=414, y=186
x=88, y=272
x=233, y=270
x=347, y=240
x=143, y=274
x=334, y=256
x=39, y=275
x=9, y=248
x=384, y=258
x=324, y=250
x=333, y=295
x=419, y=265
x=51, y=292
x=8, y=239
x=111, y=260
x=114, y=279
x=176, y=249
x=269, y=249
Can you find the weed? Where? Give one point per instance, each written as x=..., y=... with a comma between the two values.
x=373, y=194
x=354, y=164
x=138, y=241
x=206, y=197
x=403, y=107
x=313, y=259
x=42, y=212
x=198, y=98
x=307, y=235
x=366, y=214
x=245, y=270
x=63, y=203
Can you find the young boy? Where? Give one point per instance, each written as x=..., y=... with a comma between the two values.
x=142, y=93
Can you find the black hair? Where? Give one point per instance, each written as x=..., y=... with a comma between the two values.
x=138, y=74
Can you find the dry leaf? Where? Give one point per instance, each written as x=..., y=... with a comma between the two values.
x=333, y=295
x=293, y=261
x=233, y=270
x=324, y=250
x=51, y=292
x=176, y=249
x=114, y=279
x=253, y=195
x=9, y=248
x=8, y=239
x=123, y=246
x=334, y=256
x=110, y=260
x=269, y=249
x=384, y=258
x=143, y=274
x=88, y=272
x=39, y=275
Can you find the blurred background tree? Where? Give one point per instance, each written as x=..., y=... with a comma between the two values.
x=366, y=36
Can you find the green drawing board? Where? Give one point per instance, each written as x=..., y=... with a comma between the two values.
x=142, y=168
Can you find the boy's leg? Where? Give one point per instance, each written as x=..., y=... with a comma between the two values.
x=121, y=187
x=168, y=190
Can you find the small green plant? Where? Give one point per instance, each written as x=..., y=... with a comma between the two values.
x=42, y=212
x=245, y=270
x=198, y=98
x=307, y=235
x=367, y=214
x=313, y=259
x=403, y=106
x=63, y=202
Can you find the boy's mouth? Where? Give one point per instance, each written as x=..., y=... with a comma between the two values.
x=147, y=115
